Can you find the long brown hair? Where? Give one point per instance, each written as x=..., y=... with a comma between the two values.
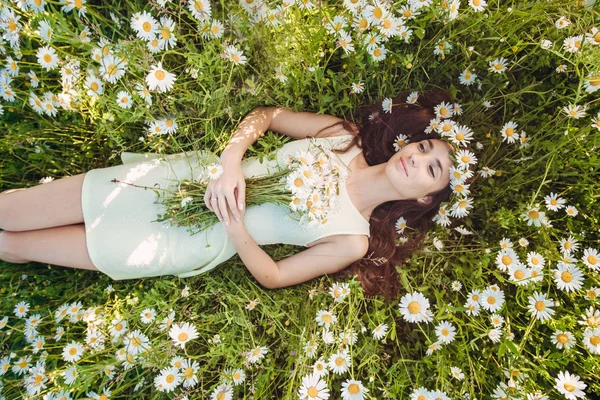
x=375, y=136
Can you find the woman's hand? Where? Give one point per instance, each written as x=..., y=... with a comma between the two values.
x=235, y=227
x=220, y=196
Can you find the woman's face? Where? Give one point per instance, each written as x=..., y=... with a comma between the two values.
x=420, y=168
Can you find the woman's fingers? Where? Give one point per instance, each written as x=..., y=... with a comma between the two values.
x=241, y=194
x=223, y=209
x=232, y=207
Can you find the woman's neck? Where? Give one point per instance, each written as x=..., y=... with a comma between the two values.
x=368, y=186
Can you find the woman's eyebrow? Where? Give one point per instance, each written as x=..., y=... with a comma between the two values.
x=437, y=160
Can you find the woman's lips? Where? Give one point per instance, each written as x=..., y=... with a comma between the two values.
x=403, y=165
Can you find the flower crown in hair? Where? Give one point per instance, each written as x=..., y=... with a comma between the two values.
x=464, y=160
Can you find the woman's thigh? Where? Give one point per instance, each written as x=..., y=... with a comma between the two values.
x=64, y=246
x=47, y=205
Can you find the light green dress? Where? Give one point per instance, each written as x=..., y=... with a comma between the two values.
x=124, y=244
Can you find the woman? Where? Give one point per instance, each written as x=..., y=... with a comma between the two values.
x=90, y=221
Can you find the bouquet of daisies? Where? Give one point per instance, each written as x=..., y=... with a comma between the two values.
x=308, y=185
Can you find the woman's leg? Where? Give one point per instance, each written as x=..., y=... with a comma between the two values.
x=47, y=205
x=64, y=246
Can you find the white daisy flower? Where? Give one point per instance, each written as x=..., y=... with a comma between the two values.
x=378, y=52
x=216, y=29
x=256, y=354
x=571, y=211
x=592, y=82
x=575, y=111
x=183, y=333
x=124, y=100
x=444, y=110
x=591, y=340
x=457, y=373
x=147, y=315
x=498, y=65
x=497, y=320
x=591, y=258
x=461, y=207
x=509, y=132
x=345, y=42
x=465, y=158
x=325, y=318
x=519, y=274
x=386, y=104
x=160, y=79
x=168, y=379
x=568, y=278
x=136, y=342
x=112, y=68
x=461, y=135
x=400, y=225
x=380, y=331
x=200, y=9
x=553, y=202
x=313, y=388
x=535, y=259
x=563, y=339
x=47, y=58
x=279, y=74
x=234, y=55
x=353, y=390
x=412, y=97
x=72, y=352
x=166, y=33
x=21, y=309
x=358, y=87
x=495, y=334
x=339, y=291
x=456, y=286
x=339, y=362
x=562, y=22
x=569, y=385
x=445, y=332
x=214, y=171
x=569, y=244
x=546, y=44
x=572, y=44
x=534, y=217
x=540, y=306
x=320, y=367
x=414, y=307
x=492, y=300
x=478, y=5
x=145, y=25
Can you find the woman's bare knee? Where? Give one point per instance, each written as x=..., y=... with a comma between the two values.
x=64, y=246
x=47, y=205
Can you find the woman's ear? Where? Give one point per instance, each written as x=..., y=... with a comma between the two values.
x=424, y=200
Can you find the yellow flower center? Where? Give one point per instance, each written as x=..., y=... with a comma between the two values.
x=312, y=392
x=414, y=307
x=199, y=6
x=377, y=52
x=566, y=276
x=569, y=387
x=491, y=300
x=595, y=340
x=540, y=306
x=519, y=274
x=592, y=259
x=562, y=338
x=47, y=58
x=353, y=388
x=147, y=26
x=326, y=318
x=534, y=214
x=182, y=337
x=160, y=75
x=73, y=351
x=339, y=361
x=378, y=12
x=170, y=378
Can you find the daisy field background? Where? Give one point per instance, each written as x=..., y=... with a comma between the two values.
x=502, y=304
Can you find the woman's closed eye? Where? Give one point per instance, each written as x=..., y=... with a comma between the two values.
x=422, y=149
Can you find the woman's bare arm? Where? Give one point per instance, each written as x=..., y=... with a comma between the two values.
x=320, y=259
